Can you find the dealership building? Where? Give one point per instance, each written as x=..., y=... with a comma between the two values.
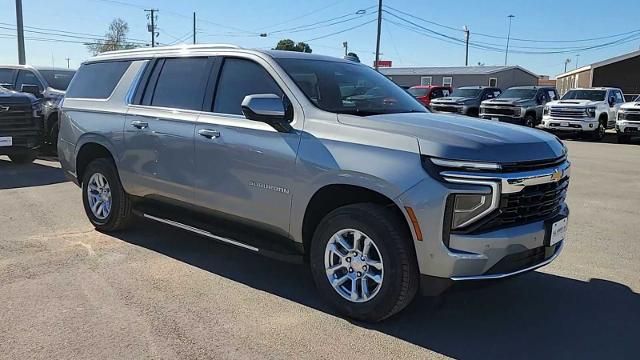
x=621, y=72
x=498, y=76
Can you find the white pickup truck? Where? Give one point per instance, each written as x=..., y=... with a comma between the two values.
x=584, y=111
x=628, y=121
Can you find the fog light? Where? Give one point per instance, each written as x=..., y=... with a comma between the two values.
x=468, y=207
x=591, y=125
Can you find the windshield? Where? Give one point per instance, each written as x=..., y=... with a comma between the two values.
x=418, y=91
x=58, y=79
x=349, y=88
x=468, y=93
x=519, y=94
x=591, y=95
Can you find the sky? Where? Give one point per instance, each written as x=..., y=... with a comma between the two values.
x=410, y=29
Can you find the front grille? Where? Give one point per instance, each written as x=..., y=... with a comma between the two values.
x=509, y=111
x=17, y=118
x=574, y=113
x=632, y=116
x=531, y=204
x=533, y=165
x=522, y=260
x=444, y=108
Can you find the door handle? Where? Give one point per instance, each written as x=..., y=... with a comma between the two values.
x=209, y=133
x=140, y=124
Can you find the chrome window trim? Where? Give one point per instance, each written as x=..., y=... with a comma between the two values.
x=134, y=84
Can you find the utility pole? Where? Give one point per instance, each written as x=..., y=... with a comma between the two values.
x=194, y=27
x=152, y=28
x=375, y=65
x=577, y=58
x=466, y=53
x=566, y=61
x=506, y=52
x=68, y=64
x=345, y=45
x=20, y=28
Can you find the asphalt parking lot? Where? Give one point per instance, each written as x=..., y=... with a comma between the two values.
x=67, y=291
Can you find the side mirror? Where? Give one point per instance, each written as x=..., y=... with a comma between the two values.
x=266, y=108
x=32, y=89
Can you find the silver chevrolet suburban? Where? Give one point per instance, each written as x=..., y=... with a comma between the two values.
x=313, y=159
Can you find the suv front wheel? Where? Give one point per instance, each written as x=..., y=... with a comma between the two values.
x=106, y=204
x=363, y=262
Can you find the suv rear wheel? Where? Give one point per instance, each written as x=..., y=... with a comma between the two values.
x=22, y=158
x=107, y=206
x=363, y=262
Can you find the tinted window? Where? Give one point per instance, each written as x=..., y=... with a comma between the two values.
x=26, y=77
x=58, y=79
x=6, y=76
x=592, y=95
x=519, y=93
x=97, y=80
x=238, y=79
x=619, y=97
x=323, y=83
x=418, y=91
x=471, y=93
x=182, y=83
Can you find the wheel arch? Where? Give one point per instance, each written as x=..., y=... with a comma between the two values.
x=90, y=150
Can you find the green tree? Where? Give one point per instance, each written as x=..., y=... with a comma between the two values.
x=290, y=45
x=114, y=39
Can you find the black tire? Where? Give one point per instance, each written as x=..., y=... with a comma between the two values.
x=623, y=139
x=121, y=214
x=529, y=121
x=401, y=275
x=22, y=158
x=53, y=137
x=598, y=134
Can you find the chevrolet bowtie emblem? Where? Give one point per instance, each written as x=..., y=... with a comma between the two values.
x=556, y=176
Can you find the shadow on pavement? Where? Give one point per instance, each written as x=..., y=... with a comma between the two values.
x=609, y=138
x=18, y=176
x=533, y=316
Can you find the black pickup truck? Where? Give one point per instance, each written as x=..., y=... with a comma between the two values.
x=21, y=125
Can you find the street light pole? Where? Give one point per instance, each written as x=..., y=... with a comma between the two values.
x=506, y=52
x=466, y=53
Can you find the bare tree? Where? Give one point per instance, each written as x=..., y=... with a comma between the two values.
x=115, y=38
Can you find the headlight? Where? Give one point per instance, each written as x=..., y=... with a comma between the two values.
x=466, y=165
x=545, y=110
x=591, y=111
x=620, y=114
x=468, y=207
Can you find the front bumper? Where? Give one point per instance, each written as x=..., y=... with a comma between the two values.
x=517, y=120
x=498, y=253
x=449, y=108
x=569, y=125
x=628, y=127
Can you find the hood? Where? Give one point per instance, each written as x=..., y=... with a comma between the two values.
x=574, y=103
x=465, y=138
x=452, y=99
x=14, y=97
x=631, y=105
x=507, y=101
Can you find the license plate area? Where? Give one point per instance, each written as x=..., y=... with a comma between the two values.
x=555, y=231
x=6, y=141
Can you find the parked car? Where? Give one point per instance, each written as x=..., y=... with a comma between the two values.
x=520, y=105
x=628, y=121
x=51, y=83
x=465, y=100
x=587, y=112
x=262, y=150
x=20, y=125
x=426, y=93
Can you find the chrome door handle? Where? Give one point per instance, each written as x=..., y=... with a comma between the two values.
x=209, y=134
x=140, y=124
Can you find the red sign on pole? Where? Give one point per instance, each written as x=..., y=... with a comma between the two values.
x=383, y=63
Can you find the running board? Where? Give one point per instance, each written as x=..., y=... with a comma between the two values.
x=288, y=257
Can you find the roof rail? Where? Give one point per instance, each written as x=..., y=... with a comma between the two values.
x=147, y=50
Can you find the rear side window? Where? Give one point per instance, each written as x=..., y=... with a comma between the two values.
x=238, y=79
x=6, y=77
x=97, y=80
x=182, y=83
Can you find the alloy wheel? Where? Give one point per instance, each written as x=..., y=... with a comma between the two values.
x=99, y=196
x=353, y=265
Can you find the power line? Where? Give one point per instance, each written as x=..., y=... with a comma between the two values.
x=88, y=36
x=301, y=16
x=341, y=31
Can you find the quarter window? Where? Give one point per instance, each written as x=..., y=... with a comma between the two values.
x=97, y=80
x=182, y=83
x=238, y=79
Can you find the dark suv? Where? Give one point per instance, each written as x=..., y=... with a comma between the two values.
x=20, y=125
x=520, y=105
x=48, y=84
x=465, y=100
